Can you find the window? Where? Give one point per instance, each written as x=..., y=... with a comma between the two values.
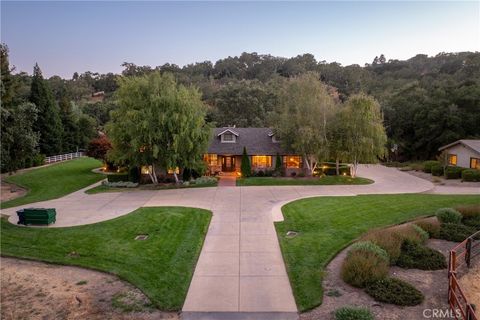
x=171, y=170
x=146, y=169
x=211, y=159
x=228, y=137
x=293, y=161
x=262, y=161
x=475, y=163
x=452, y=159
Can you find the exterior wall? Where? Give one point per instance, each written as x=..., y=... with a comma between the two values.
x=463, y=154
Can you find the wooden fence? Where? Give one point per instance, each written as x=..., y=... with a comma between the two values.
x=63, y=157
x=461, y=257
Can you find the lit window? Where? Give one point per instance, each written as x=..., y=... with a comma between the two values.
x=292, y=161
x=262, y=161
x=475, y=163
x=171, y=171
x=211, y=159
x=452, y=159
x=146, y=169
x=228, y=137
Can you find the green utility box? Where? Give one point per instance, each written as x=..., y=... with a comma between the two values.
x=36, y=216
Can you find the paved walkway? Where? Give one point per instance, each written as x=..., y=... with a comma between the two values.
x=240, y=273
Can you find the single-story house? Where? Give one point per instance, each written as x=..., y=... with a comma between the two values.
x=226, y=149
x=463, y=153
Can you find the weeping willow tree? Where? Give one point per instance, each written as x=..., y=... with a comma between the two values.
x=159, y=123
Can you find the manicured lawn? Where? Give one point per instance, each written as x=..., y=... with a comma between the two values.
x=161, y=266
x=54, y=181
x=281, y=181
x=327, y=224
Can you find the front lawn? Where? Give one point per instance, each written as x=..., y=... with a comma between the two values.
x=161, y=266
x=54, y=181
x=282, y=181
x=326, y=225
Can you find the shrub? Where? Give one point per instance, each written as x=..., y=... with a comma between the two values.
x=388, y=241
x=120, y=184
x=134, y=174
x=431, y=227
x=471, y=175
x=38, y=159
x=362, y=267
x=394, y=291
x=417, y=256
x=293, y=174
x=245, y=167
x=301, y=175
x=453, y=172
x=455, y=232
x=409, y=232
x=448, y=215
x=469, y=211
x=437, y=170
x=368, y=246
x=422, y=233
x=353, y=313
x=204, y=180
x=473, y=222
x=260, y=173
x=427, y=165
x=117, y=177
x=417, y=166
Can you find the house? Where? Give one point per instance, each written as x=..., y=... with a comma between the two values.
x=226, y=149
x=97, y=96
x=463, y=153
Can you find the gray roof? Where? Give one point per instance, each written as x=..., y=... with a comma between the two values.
x=472, y=144
x=256, y=140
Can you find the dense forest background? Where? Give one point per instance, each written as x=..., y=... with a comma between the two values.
x=427, y=102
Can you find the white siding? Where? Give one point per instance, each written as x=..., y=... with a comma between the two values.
x=463, y=154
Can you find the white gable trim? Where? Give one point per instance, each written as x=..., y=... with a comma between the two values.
x=228, y=130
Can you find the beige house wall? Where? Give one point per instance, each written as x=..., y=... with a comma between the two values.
x=463, y=154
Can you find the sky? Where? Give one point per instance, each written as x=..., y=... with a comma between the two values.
x=68, y=36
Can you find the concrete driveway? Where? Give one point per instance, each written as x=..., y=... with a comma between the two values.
x=240, y=273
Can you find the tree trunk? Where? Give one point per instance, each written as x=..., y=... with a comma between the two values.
x=153, y=175
x=175, y=176
x=337, y=166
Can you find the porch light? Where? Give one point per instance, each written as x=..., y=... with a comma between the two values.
x=344, y=173
x=239, y=173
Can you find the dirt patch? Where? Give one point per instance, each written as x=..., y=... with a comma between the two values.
x=35, y=290
x=10, y=191
x=470, y=284
x=433, y=284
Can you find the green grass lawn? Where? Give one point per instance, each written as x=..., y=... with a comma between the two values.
x=161, y=266
x=327, y=224
x=281, y=181
x=54, y=181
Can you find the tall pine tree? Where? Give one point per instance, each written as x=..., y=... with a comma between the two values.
x=70, y=138
x=48, y=123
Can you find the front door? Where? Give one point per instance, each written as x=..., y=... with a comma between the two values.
x=228, y=163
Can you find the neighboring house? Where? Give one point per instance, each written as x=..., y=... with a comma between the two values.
x=97, y=96
x=226, y=149
x=463, y=153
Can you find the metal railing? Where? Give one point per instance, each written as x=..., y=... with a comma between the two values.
x=63, y=157
x=461, y=256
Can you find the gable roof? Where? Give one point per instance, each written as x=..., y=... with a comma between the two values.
x=227, y=130
x=471, y=144
x=258, y=141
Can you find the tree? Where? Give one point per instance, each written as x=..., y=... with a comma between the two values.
x=246, y=168
x=86, y=129
x=98, y=148
x=70, y=139
x=48, y=123
x=338, y=138
x=18, y=140
x=365, y=136
x=278, y=164
x=158, y=123
x=303, y=119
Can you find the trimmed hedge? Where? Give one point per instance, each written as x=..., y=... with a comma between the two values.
x=437, y=170
x=362, y=267
x=453, y=172
x=117, y=177
x=448, y=215
x=394, y=291
x=417, y=256
x=427, y=165
x=455, y=232
x=471, y=175
x=353, y=313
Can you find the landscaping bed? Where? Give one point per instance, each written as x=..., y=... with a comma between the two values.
x=54, y=181
x=282, y=181
x=325, y=225
x=160, y=266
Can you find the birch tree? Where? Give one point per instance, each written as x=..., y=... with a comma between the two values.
x=158, y=124
x=303, y=119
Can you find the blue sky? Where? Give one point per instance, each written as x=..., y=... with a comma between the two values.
x=64, y=37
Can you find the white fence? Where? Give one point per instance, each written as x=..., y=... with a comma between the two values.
x=63, y=157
